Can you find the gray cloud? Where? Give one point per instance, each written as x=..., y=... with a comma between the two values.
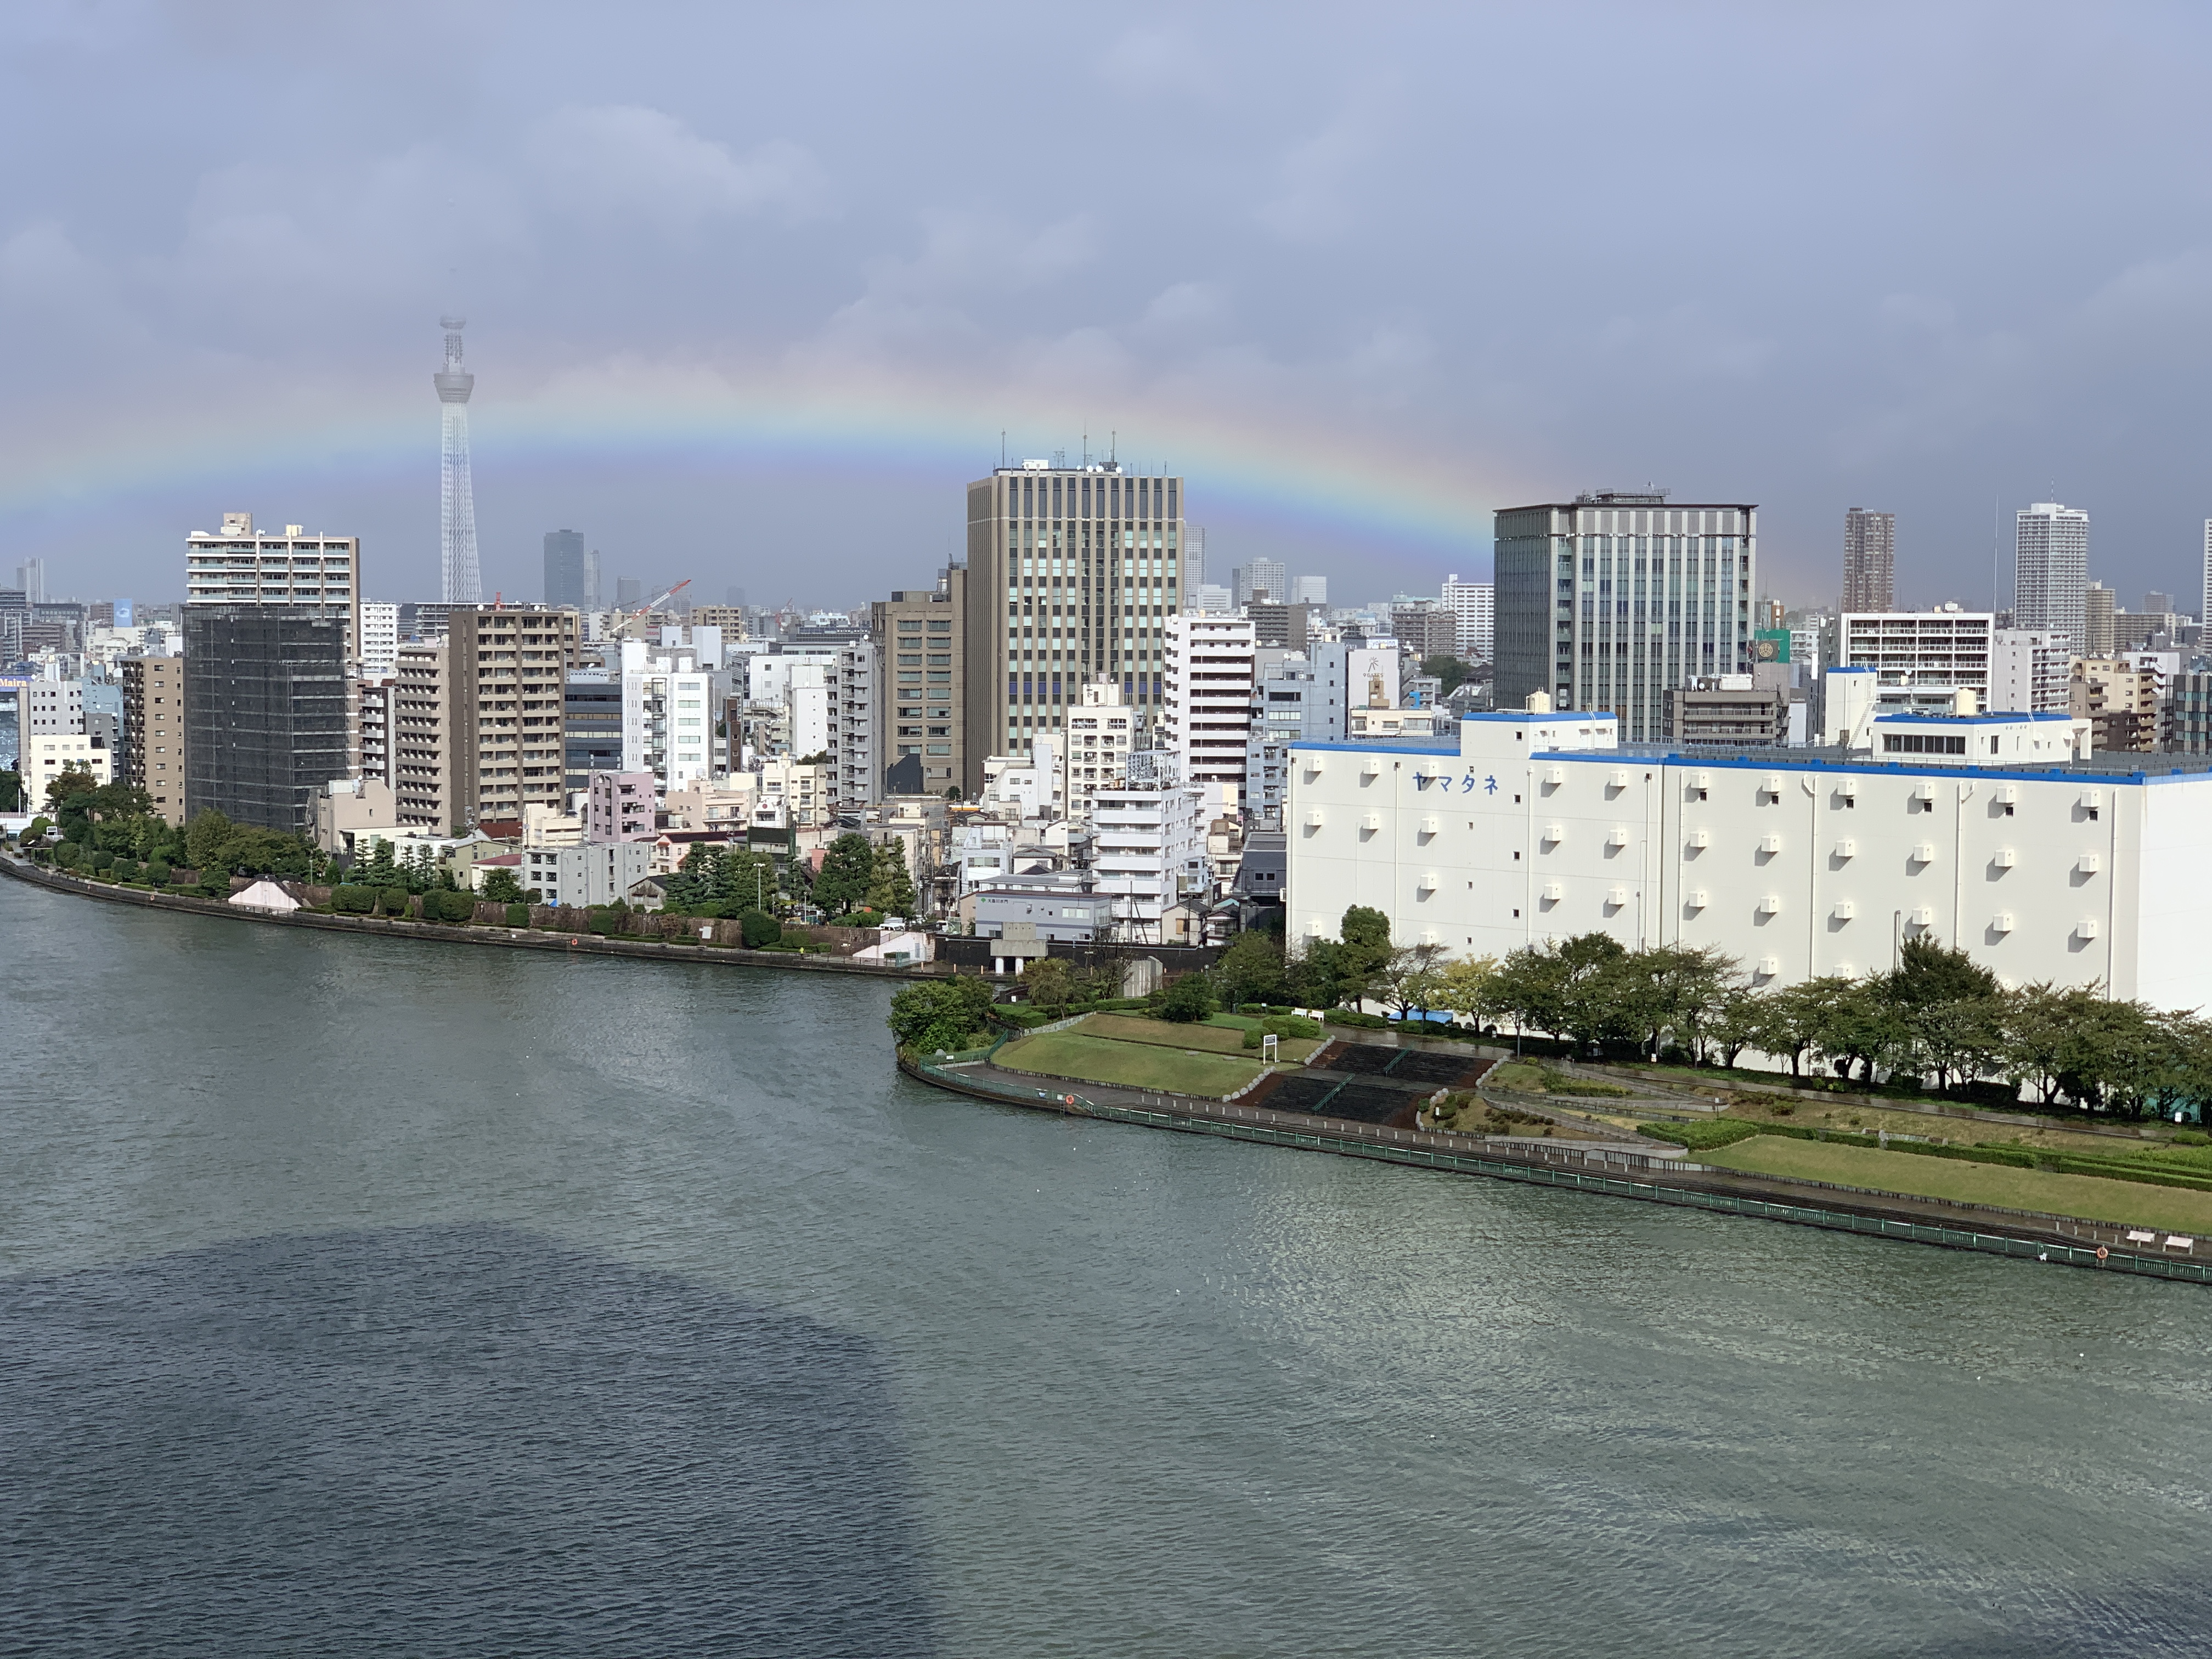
x=1933, y=259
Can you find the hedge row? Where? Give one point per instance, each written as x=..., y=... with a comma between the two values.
x=1726, y=1132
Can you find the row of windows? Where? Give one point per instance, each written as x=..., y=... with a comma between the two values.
x=1113, y=497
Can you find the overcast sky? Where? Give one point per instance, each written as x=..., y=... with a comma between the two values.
x=753, y=291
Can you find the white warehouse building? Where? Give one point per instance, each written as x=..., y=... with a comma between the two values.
x=1985, y=832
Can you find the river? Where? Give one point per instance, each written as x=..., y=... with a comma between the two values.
x=360, y=1295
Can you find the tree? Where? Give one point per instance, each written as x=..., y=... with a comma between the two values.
x=890, y=888
x=11, y=791
x=1411, y=977
x=1186, y=1001
x=1569, y=988
x=1669, y=991
x=1251, y=970
x=500, y=887
x=1050, y=984
x=1736, y=1021
x=940, y=1016
x=71, y=781
x=1312, y=976
x=848, y=870
x=1449, y=671
x=1363, y=953
x=1464, y=986
x=1928, y=972
x=208, y=841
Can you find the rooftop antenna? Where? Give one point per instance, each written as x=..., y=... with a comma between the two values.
x=1114, y=445
x=1002, y=446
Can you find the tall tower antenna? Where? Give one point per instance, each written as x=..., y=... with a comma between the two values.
x=459, y=581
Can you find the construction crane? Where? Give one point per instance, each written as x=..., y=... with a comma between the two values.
x=648, y=608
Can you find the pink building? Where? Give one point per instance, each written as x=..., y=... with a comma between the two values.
x=619, y=807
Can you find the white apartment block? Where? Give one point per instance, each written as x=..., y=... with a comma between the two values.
x=601, y=872
x=240, y=565
x=1920, y=658
x=1149, y=857
x=2028, y=671
x=670, y=710
x=42, y=756
x=1986, y=833
x=380, y=640
x=1206, y=686
x=1099, y=735
x=51, y=706
x=2050, y=570
x=1474, y=607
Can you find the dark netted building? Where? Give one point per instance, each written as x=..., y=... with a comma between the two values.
x=265, y=710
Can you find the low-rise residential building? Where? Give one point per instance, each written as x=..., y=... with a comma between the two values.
x=1057, y=907
x=1396, y=722
x=1099, y=737
x=602, y=873
x=1149, y=847
x=619, y=806
x=2119, y=699
x=2029, y=672
x=344, y=808
x=1730, y=711
x=42, y=756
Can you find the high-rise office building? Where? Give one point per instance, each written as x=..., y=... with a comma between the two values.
x=265, y=717
x=458, y=580
x=2051, y=569
x=2099, y=606
x=1308, y=590
x=919, y=636
x=2155, y=602
x=1474, y=607
x=509, y=668
x=1614, y=598
x=1194, y=556
x=291, y=570
x=1261, y=579
x=154, y=731
x=1869, y=561
x=564, y=569
x=1072, y=572
x=31, y=577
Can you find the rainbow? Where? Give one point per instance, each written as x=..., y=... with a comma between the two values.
x=1297, y=473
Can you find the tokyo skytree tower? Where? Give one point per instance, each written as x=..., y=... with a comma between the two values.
x=456, y=500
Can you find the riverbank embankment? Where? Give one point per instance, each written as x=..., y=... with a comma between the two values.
x=517, y=938
x=1603, y=1171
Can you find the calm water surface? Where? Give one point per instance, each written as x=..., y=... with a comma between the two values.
x=362, y=1297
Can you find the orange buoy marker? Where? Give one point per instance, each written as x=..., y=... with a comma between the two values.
x=2101, y=1254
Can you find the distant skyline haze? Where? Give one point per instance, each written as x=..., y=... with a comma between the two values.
x=1363, y=277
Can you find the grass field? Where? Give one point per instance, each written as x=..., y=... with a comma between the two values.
x=1084, y=1058
x=2086, y=1196
x=1214, y=1039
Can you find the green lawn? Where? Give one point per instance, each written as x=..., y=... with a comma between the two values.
x=2087, y=1196
x=1215, y=1039
x=1077, y=1055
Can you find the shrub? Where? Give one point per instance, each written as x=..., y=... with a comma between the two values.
x=1702, y=1137
x=394, y=901
x=1353, y=1018
x=1186, y=1001
x=449, y=907
x=158, y=873
x=103, y=861
x=68, y=854
x=518, y=916
x=1281, y=1025
x=350, y=899
x=939, y=1014
x=759, y=928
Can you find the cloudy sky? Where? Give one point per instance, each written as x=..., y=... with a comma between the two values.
x=753, y=291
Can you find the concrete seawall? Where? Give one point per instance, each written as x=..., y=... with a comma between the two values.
x=513, y=938
x=2060, y=1240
